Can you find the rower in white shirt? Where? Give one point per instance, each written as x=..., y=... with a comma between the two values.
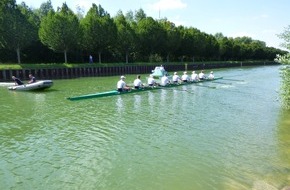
x=175, y=78
x=194, y=77
x=122, y=86
x=184, y=77
x=211, y=76
x=201, y=75
x=151, y=81
x=164, y=81
x=137, y=82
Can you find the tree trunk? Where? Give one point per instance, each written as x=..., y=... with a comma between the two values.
x=167, y=58
x=100, y=56
x=65, y=56
x=127, y=56
x=18, y=55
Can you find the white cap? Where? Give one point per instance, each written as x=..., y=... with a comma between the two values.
x=122, y=77
x=184, y=72
x=193, y=71
x=175, y=73
x=211, y=72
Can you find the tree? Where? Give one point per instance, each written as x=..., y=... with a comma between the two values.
x=17, y=27
x=44, y=9
x=60, y=31
x=285, y=35
x=151, y=36
x=126, y=35
x=99, y=30
x=173, y=38
x=285, y=59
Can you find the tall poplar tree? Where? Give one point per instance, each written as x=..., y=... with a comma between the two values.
x=17, y=31
x=60, y=31
x=99, y=30
x=126, y=35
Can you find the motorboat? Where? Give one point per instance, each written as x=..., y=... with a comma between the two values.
x=39, y=85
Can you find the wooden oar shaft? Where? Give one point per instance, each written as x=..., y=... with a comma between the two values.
x=222, y=82
x=232, y=79
x=205, y=86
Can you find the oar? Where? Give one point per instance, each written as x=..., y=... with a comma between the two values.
x=232, y=79
x=184, y=91
x=222, y=82
x=206, y=86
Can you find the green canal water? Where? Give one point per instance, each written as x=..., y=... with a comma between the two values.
x=230, y=137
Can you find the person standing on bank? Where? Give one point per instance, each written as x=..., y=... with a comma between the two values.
x=32, y=79
x=122, y=86
x=17, y=81
x=137, y=82
x=91, y=59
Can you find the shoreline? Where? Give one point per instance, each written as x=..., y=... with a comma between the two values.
x=69, y=73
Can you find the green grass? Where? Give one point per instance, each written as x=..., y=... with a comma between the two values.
x=14, y=66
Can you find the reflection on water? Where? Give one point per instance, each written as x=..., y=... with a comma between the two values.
x=226, y=135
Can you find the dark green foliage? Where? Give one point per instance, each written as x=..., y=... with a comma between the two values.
x=40, y=35
x=60, y=31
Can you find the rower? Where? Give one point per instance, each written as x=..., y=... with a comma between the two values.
x=175, y=78
x=211, y=76
x=194, y=77
x=151, y=81
x=164, y=81
x=121, y=85
x=184, y=77
x=201, y=75
x=137, y=82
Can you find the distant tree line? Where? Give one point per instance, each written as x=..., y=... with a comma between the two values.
x=44, y=35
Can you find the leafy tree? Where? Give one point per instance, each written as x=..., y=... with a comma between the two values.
x=285, y=59
x=44, y=9
x=151, y=36
x=99, y=30
x=126, y=35
x=139, y=15
x=60, y=31
x=285, y=35
x=18, y=29
x=172, y=38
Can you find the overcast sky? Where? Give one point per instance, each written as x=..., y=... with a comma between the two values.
x=258, y=19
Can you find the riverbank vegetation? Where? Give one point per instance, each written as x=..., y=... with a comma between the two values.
x=285, y=71
x=46, y=35
x=14, y=66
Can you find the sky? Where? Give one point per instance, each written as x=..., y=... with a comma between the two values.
x=259, y=19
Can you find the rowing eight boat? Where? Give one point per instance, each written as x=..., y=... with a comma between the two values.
x=115, y=92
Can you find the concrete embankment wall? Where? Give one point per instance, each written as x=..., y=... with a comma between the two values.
x=67, y=73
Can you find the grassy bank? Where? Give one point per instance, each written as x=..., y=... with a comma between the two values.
x=14, y=66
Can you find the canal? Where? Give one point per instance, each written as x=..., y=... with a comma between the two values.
x=225, y=135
